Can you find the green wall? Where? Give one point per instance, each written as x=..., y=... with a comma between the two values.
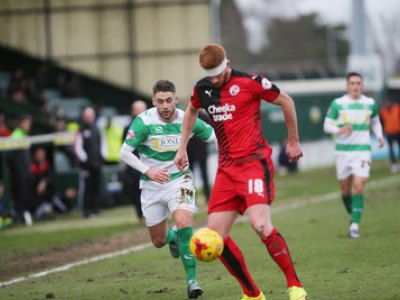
x=311, y=110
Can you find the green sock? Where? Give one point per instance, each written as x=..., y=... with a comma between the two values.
x=347, y=202
x=171, y=236
x=188, y=260
x=357, y=208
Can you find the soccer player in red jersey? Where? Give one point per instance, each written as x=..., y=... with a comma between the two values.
x=244, y=178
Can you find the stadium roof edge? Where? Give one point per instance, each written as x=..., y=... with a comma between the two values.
x=318, y=86
x=311, y=86
x=393, y=83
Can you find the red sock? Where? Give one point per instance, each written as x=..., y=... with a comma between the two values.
x=279, y=252
x=233, y=260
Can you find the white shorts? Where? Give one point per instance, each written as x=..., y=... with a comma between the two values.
x=357, y=164
x=157, y=205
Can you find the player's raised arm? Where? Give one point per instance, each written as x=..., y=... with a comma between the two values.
x=293, y=148
x=189, y=120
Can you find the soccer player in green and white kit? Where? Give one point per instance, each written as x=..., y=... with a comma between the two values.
x=350, y=117
x=156, y=134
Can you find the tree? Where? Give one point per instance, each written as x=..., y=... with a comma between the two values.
x=387, y=45
x=292, y=43
x=304, y=44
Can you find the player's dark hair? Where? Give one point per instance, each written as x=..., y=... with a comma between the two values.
x=163, y=86
x=351, y=74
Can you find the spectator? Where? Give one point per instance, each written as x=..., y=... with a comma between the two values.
x=130, y=177
x=42, y=183
x=113, y=136
x=61, y=84
x=62, y=126
x=284, y=161
x=69, y=86
x=390, y=118
x=44, y=192
x=18, y=90
x=72, y=126
x=5, y=221
x=4, y=130
x=41, y=100
x=73, y=87
x=90, y=149
x=19, y=161
x=67, y=200
x=45, y=77
x=198, y=153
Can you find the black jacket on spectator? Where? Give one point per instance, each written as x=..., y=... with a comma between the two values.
x=91, y=141
x=89, y=147
x=19, y=162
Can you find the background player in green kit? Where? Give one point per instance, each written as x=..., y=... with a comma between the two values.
x=351, y=117
x=156, y=135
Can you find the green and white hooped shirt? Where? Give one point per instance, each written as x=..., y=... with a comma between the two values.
x=357, y=113
x=157, y=142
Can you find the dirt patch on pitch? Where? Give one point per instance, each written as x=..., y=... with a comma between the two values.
x=61, y=255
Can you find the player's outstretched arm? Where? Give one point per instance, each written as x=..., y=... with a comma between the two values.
x=189, y=120
x=293, y=148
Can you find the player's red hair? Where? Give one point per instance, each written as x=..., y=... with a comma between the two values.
x=211, y=56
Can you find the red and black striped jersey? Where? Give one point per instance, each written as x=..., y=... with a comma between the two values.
x=234, y=111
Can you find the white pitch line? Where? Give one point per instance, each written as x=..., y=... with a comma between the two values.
x=290, y=206
x=78, y=263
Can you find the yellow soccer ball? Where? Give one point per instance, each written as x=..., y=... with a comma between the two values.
x=206, y=244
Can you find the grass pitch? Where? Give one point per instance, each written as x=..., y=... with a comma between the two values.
x=330, y=265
